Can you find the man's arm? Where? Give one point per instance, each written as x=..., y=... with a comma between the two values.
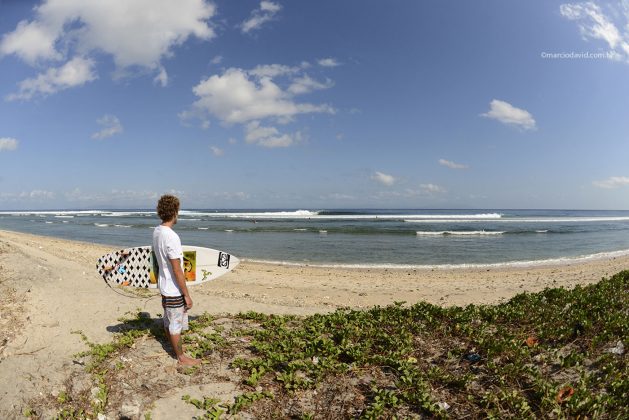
x=181, y=281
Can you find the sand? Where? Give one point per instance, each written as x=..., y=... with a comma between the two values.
x=49, y=288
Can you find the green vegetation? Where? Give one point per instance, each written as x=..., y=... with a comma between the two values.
x=554, y=354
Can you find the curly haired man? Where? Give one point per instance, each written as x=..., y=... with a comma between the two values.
x=172, y=283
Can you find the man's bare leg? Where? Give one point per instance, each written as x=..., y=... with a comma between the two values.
x=176, y=341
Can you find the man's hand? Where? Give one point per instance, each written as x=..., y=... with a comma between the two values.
x=188, y=300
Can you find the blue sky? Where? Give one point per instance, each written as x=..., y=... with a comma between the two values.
x=319, y=104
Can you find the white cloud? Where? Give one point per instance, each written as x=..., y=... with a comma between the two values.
x=8, y=144
x=306, y=84
x=235, y=97
x=110, y=126
x=259, y=17
x=508, y=114
x=269, y=136
x=383, y=178
x=216, y=60
x=258, y=99
x=34, y=195
x=452, y=165
x=135, y=33
x=162, y=77
x=115, y=196
x=273, y=70
x=216, y=151
x=30, y=41
x=75, y=72
x=328, y=62
x=432, y=189
x=595, y=24
x=613, y=182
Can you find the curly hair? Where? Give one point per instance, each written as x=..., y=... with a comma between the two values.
x=167, y=207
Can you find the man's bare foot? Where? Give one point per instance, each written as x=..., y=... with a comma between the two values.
x=188, y=361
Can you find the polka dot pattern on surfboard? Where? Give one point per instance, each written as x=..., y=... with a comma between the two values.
x=127, y=267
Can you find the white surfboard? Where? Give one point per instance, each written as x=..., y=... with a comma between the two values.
x=137, y=267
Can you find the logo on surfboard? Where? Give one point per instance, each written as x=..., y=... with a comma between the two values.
x=223, y=260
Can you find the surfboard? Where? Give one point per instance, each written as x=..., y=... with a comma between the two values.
x=137, y=266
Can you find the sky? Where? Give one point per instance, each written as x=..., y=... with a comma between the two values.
x=322, y=104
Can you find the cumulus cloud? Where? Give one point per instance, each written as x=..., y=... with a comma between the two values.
x=452, y=165
x=613, y=182
x=237, y=97
x=250, y=97
x=265, y=13
x=328, y=62
x=269, y=136
x=508, y=114
x=595, y=24
x=384, y=179
x=31, y=41
x=110, y=126
x=75, y=72
x=259, y=100
x=134, y=33
x=8, y=144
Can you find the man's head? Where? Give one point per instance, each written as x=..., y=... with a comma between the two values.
x=167, y=207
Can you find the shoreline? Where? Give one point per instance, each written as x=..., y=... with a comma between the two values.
x=49, y=290
x=560, y=261
x=305, y=289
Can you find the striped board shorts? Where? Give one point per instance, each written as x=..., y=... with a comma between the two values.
x=175, y=314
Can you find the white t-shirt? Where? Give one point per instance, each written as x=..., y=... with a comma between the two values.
x=167, y=246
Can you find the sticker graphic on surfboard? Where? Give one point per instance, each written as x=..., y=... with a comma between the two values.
x=137, y=267
x=189, y=266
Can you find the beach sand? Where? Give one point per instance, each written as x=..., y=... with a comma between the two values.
x=49, y=288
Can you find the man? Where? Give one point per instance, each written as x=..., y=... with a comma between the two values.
x=172, y=283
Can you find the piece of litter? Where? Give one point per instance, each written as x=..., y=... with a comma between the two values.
x=315, y=360
x=443, y=405
x=619, y=349
x=564, y=394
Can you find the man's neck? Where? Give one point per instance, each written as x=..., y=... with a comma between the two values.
x=170, y=223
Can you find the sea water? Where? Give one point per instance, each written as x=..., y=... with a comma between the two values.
x=357, y=238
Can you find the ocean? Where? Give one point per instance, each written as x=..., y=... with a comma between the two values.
x=357, y=238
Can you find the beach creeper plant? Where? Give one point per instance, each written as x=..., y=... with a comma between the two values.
x=554, y=354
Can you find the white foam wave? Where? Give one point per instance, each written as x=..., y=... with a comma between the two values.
x=524, y=220
x=298, y=214
x=101, y=225
x=510, y=264
x=459, y=233
x=316, y=215
x=123, y=226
